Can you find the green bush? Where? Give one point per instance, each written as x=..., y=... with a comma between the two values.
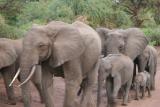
x=105, y=13
x=153, y=35
x=7, y=31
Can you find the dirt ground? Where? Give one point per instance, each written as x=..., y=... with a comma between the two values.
x=154, y=101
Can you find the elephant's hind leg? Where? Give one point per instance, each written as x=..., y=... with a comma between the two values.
x=128, y=86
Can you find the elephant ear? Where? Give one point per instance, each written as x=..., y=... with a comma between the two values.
x=135, y=42
x=67, y=45
x=103, y=32
x=7, y=54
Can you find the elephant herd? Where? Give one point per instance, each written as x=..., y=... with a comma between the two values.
x=84, y=57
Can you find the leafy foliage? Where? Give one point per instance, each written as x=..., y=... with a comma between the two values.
x=17, y=16
x=153, y=35
x=8, y=31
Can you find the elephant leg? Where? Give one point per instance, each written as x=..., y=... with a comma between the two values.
x=101, y=84
x=127, y=89
x=134, y=72
x=149, y=93
x=73, y=79
x=82, y=87
x=47, y=87
x=7, y=76
x=137, y=92
x=37, y=81
x=87, y=99
x=117, y=86
x=153, y=83
x=109, y=89
x=143, y=91
x=152, y=79
x=39, y=88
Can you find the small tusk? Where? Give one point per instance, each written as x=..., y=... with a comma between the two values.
x=30, y=75
x=15, y=77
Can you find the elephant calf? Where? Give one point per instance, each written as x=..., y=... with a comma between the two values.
x=117, y=71
x=142, y=80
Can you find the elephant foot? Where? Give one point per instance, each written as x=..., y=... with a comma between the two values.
x=111, y=105
x=137, y=99
x=42, y=102
x=129, y=100
x=89, y=105
x=149, y=96
x=124, y=104
x=11, y=102
x=142, y=97
x=153, y=88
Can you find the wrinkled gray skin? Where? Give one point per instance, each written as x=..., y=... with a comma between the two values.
x=68, y=50
x=130, y=42
x=10, y=51
x=112, y=70
x=148, y=62
x=142, y=82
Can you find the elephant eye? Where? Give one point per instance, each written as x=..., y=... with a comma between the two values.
x=43, y=46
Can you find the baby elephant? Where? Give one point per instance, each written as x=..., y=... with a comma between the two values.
x=142, y=81
x=117, y=72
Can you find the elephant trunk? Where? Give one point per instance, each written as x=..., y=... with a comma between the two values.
x=29, y=76
x=28, y=66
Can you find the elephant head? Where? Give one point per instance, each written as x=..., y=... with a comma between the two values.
x=8, y=53
x=131, y=41
x=54, y=44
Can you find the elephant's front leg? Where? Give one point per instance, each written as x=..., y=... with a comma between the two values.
x=88, y=99
x=47, y=87
x=73, y=79
x=143, y=91
x=137, y=92
x=7, y=76
x=37, y=81
x=152, y=78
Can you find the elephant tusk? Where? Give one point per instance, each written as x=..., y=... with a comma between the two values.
x=30, y=75
x=15, y=77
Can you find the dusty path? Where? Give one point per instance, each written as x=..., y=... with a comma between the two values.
x=154, y=101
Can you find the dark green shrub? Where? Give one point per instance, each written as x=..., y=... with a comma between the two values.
x=153, y=35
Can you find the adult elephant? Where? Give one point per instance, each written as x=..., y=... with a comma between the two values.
x=148, y=62
x=130, y=42
x=10, y=51
x=73, y=47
